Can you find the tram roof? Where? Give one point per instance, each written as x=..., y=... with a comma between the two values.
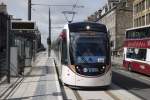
x=81, y=26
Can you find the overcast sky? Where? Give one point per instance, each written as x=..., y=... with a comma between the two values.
x=18, y=8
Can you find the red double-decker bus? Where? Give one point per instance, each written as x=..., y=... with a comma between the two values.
x=137, y=50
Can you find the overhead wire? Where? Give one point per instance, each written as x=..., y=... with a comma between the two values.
x=73, y=8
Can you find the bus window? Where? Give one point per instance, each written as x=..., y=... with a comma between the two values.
x=135, y=53
x=148, y=32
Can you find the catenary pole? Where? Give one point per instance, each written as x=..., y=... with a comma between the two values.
x=49, y=39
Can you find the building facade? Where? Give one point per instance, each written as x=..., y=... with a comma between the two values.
x=141, y=13
x=117, y=15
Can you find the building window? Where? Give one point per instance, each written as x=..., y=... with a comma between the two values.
x=147, y=4
x=143, y=5
x=143, y=20
x=135, y=8
x=136, y=22
x=140, y=7
x=139, y=21
x=148, y=19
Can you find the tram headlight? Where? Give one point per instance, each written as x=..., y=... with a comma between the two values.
x=103, y=68
x=78, y=69
x=88, y=27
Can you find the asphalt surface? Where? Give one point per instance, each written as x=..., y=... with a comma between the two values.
x=135, y=83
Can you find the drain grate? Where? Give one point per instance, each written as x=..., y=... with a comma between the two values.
x=57, y=94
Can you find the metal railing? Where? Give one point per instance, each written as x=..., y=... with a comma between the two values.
x=15, y=70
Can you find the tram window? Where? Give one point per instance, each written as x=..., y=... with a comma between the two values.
x=64, y=53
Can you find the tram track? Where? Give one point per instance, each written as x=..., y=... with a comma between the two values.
x=114, y=93
x=72, y=94
x=77, y=95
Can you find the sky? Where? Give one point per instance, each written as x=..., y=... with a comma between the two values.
x=19, y=8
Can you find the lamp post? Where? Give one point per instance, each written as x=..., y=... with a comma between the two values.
x=29, y=17
x=69, y=13
x=29, y=9
x=30, y=6
x=8, y=50
x=49, y=39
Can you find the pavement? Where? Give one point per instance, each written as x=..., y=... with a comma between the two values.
x=41, y=84
x=118, y=60
x=6, y=88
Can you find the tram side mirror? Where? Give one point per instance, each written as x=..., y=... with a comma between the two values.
x=109, y=34
x=65, y=61
x=111, y=43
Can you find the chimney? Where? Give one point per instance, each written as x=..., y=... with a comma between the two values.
x=3, y=8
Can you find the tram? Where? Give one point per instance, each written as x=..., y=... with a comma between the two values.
x=83, y=50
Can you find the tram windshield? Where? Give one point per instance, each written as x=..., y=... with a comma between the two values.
x=89, y=50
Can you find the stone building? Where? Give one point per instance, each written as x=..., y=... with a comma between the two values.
x=141, y=15
x=117, y=15
x=117, y=20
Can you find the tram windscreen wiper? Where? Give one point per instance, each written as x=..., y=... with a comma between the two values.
x=82, y=58
x=79, y=53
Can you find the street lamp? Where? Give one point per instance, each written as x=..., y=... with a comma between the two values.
x=30, y=6
x=70, y=13
x=49, y=39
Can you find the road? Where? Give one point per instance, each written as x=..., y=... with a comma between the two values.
x=135, y=83
x=124, y=87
